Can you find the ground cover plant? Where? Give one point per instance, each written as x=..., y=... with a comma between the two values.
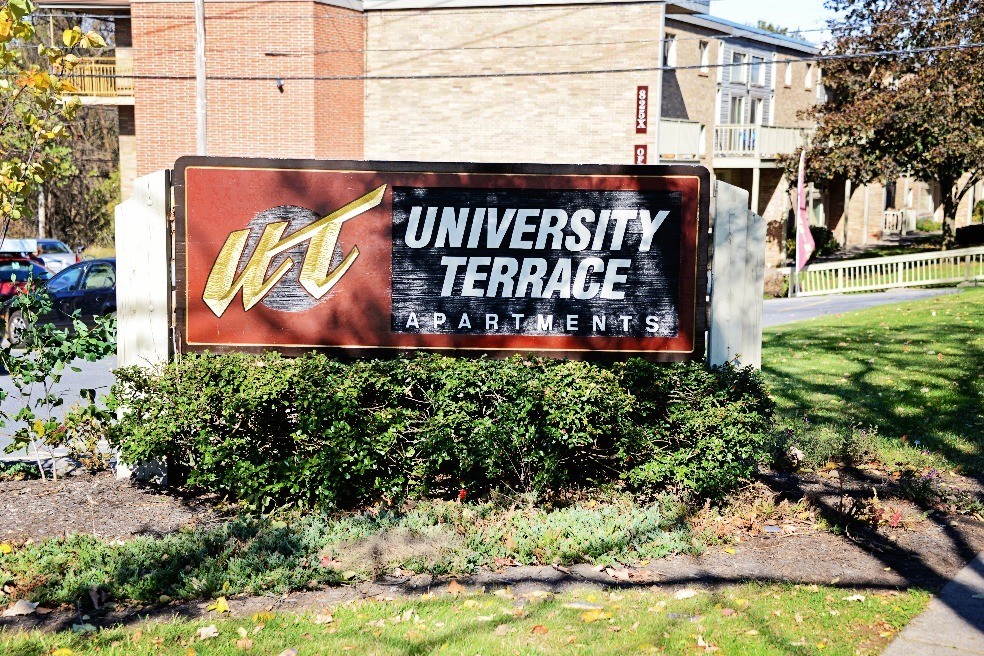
x=753, y=619
x=317, y=432
x=908, y=374
x=268, y=555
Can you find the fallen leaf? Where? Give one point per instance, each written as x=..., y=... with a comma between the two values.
x=856, y=597
x=83, y=628
x=583, y=605
x=323, y=619
x=220, y=605
x=727, y=612
x=262, y=617
x=207, y=632
x=594, y=616
x=485, y=618
x=6, y=548
x=539, y=629
x=292, y=651
x=242, y=632
x=798, y=618
x=751, y=632
x=62, y=651
x=244, y=643
x=685, y=594
x=471, y=603
x=502, y=630
x=455, y=588
x=20, y=607
x=730, y=550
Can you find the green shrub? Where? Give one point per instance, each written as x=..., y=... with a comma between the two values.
x=823, y=239
x=816, y=445
x=928, y=224
x=314, y=431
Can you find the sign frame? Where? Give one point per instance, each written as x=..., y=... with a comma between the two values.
x=695, y=278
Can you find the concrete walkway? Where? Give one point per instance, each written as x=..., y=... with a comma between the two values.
x=953, y=624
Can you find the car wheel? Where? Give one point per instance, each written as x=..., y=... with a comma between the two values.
x=16, y=328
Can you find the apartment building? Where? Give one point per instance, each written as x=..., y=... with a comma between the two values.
x=559, y=81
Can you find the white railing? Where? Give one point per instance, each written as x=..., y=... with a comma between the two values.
x=942, y=267
x=761, y=141
x=898, y=222
x=102, y=76
x=682, y=140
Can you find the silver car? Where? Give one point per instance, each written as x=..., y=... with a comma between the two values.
x=56, y=255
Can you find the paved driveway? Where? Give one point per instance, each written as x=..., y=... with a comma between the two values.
x=97, y=375
x=786, y=310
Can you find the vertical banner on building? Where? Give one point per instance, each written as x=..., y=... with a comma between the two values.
x=642, y=110
x=376, y=257
x=641, y=154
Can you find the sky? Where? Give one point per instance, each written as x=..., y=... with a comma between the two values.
x=803, y=14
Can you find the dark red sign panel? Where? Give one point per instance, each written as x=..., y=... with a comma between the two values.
x=642, y=110
x=641, y=154
x=368, y=257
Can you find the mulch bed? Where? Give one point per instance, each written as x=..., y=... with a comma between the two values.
x=924, y=552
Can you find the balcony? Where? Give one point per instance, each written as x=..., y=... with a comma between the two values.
x=103, y=80
x=756, y=142
x=681, y=141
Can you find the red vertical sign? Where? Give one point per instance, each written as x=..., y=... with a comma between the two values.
x=642, y=110
x=641, y=154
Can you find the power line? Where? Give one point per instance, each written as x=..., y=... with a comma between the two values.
x=513, y=74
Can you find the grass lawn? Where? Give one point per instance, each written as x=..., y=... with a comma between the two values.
x=913, y=371
x=751, y=619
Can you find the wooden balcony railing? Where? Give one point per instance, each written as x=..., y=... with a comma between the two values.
x=681, y=140
x=764, y=142
x=106, y=77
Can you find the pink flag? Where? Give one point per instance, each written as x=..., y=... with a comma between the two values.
x=804, y=240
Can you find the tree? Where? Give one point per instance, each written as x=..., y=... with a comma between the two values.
x=775, y=29
x=914, y=108
x=34, y=112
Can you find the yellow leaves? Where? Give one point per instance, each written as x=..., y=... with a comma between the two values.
x=72, y=37
x=590, y=616
x=221, y=605
x=455, y=588
x=6, y=548
x=62, y=651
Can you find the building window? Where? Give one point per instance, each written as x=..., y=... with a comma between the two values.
x=757, y=75
x=737, y=116
x=702, y=145
x=705, y=56
x=789, y=74
x=669, y=50
x=755, y=112
x=738, y=67
x=809, y=77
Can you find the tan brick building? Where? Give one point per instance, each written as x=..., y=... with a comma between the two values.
x=587, y=81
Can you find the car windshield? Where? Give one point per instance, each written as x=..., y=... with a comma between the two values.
x=49, y=247
x=21, y=271
x=67, y=279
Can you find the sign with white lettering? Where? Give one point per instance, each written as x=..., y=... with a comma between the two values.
x=576, y=261
x=641, y=154
x=642, y=110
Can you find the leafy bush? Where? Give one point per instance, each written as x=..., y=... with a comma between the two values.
x=928, y=224
x=314, y=431
x=823, y=239
x=815, y=445
x=971, y=235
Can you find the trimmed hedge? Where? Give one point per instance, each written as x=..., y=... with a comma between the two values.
x=320, y=432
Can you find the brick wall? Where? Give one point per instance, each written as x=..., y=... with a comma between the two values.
x=248, y=117
x=691, y=94
x=563, y=118
x=796, y=97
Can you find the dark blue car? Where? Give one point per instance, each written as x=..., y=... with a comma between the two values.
x=87, y=288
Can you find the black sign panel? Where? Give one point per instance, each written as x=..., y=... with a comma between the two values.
x=536, y=262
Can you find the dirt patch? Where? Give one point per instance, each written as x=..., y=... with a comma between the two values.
x=96, y=504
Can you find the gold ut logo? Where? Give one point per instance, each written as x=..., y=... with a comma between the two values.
x=317, y=276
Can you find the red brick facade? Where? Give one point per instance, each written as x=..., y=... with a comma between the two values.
x=247, y=117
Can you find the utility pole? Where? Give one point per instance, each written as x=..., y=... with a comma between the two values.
x=41, y=213
x=659, y=84
x=201, y=110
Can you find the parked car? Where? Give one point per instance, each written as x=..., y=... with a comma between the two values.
x=15, y=273
x=87, y=288
x=56, y=255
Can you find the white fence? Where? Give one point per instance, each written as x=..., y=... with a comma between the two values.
x=942, y=267
x=682, y=140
